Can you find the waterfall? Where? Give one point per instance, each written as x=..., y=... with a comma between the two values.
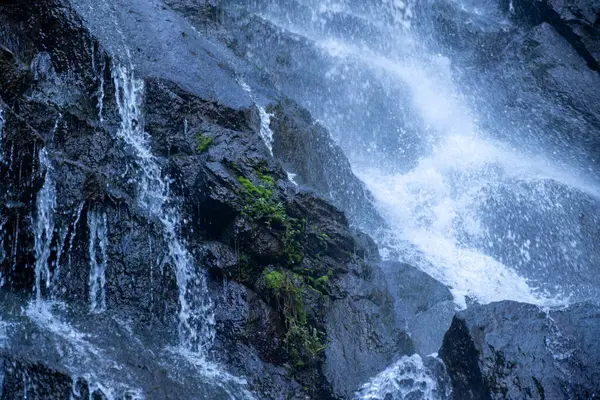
x=98, y=234
x=265, y=127
x=44, y=226
x=265, y=118
x=196, y=318
x=456, y=195
x=72, y=237
x=101, y=93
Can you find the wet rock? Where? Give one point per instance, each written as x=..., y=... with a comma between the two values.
x=554, y=354
x=363, y=337
x=576, y=21
x=423, y=306
x=24, y=379
x=307, y=150
x=285, y=268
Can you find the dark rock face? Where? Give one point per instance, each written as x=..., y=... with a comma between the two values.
x=364, y=338
x=512, y=350
x=319, y=163
x=576, y=21
x=424, y=307
x=301, y=305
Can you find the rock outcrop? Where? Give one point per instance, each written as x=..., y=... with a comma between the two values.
x=511, y=350
x=142, y=190
x=424, y=307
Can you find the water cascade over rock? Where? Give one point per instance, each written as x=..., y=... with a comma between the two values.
x=300, y=199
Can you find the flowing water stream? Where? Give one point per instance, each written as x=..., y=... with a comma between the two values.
x=196, y=327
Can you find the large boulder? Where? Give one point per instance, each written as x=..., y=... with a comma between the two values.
x=510, y=350
x=318, y=162
x=363, y=336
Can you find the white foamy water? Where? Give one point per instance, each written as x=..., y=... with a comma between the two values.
x=233, y=386
x=98, y=236
x=408, y=378
x=435, y=206
x=44, y=225
x=265, y=118
x=423, y=208
x=78, y=353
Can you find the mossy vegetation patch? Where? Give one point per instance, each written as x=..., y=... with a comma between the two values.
x=260, y=206
x=203, y=143
x=303, y=343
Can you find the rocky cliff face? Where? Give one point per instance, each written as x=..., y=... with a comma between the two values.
x=133, y=191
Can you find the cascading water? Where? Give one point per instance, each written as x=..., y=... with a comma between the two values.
x=98, y=234
x=453, y=195
x=196, y=317
x=491, y=219
x=408, y=378
x=44, y=226
x=265, y=118
x=72, y=237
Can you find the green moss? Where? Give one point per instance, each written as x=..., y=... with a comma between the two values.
x=293, y=234
x=202, y=143
x=260, y=204
x=321, y=284
x=303, y=342
x=266, y=179
x=274, y=280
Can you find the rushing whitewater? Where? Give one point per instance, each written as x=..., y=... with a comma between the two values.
x=98, y=233
x=406, y=379
x=44, y=226
x=456, y=199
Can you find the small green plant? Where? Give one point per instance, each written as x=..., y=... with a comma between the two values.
x=274, y=280
x=293, y=234
x=202, y=143
x=260, y=206
x=303, y=343
x=266, y=179
x=286, y=290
